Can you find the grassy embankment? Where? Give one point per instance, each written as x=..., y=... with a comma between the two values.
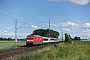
x=5, y=45
x=79, y=50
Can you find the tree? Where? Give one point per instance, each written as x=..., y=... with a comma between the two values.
x=45, y=33
x=9, y=39
x=68, y=38
x=4, y=38
x=77, y=38
x=1, y=38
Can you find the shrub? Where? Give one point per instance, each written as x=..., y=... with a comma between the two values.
x=68, y=38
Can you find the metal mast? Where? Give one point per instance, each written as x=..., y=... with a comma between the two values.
x=62, y=36
x=49, y=28
x=16, y=31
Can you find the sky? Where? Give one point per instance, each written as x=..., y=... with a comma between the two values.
x=67, y=16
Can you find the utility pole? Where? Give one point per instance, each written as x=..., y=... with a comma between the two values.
x=49, y=28
x=62, y=36
x=15, y=31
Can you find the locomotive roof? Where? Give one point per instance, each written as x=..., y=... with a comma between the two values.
x=36, y=35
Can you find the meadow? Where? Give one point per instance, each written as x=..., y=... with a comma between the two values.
x=82, y=42
x=4, y=45
x=79, y=50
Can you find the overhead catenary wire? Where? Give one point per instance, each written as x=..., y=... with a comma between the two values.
x=21, y=26
x=10, y=17
x=19, y=21
x=6, y=23
x=7, y=16
x=18, y=15
x=13, y=19
x=11, y=13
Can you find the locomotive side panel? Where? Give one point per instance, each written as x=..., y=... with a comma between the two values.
x=39, y=39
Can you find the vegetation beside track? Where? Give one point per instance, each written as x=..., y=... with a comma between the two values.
x=75, y=51
x=5, y=45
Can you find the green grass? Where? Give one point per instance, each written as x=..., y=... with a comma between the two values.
x=4, y=45
x=75, y=51
x=83, y=42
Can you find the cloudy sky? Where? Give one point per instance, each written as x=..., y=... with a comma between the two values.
x=67, y=16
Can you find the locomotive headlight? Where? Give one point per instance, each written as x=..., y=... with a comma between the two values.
x=29, y=40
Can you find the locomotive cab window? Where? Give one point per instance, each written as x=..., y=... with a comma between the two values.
x=30, y=37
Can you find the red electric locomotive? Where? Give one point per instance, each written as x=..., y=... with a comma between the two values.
x=34, y=40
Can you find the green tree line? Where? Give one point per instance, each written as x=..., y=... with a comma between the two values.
x=45, y=33
x=8, y=39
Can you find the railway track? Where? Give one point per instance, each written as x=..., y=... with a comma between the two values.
x=19, y=51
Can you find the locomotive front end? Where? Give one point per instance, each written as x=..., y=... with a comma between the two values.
x=30, y=40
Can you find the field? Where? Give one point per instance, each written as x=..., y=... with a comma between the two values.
x=83, y=42
x=79, y=50
x=10, y=44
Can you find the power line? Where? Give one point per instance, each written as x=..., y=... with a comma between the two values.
x=6, y=16
x=6, y=23
x=11, y=13
x=20, y=16
x=21, y=26
x=19, y=20
x=11, y=17
x=16, y=15
x=14, y=20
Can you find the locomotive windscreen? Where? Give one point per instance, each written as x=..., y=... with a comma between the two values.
x=30, y=37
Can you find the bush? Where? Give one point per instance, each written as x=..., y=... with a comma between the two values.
x=68, y=38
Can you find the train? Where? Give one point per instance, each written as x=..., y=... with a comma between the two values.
x=33, y=39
